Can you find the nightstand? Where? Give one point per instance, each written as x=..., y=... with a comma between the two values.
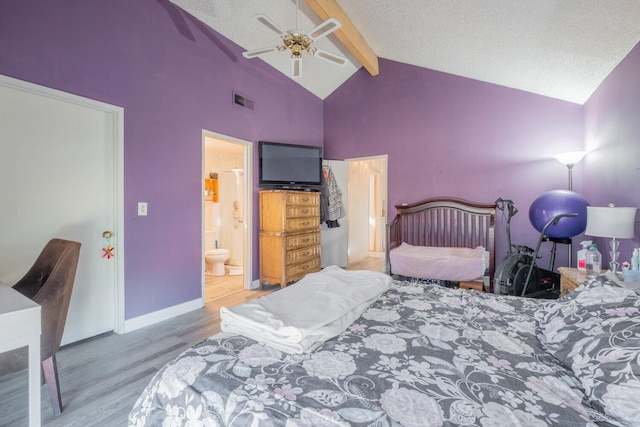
x=570, y=278
x=473, y=284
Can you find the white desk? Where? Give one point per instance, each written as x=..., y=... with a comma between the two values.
x=19, y=327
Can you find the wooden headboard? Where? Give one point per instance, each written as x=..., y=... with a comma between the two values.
x=444, y=222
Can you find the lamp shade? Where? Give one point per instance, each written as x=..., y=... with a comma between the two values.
x=610, y=222
x=570, y=158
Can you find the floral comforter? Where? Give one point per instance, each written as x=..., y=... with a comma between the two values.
x=422, y=355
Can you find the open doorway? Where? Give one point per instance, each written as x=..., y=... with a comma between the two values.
x=226, y=215
x=367, y=207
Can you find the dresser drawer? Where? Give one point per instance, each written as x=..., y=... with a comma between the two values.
x=302, y=240
x=300, y=255
x=302, y=211
x=301, y=224
x=310, y=199
x=298, y=271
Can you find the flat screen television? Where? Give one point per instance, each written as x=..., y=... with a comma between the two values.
x=290, y=166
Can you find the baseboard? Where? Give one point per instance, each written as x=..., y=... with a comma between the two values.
x=255, y=284
x=160, y=315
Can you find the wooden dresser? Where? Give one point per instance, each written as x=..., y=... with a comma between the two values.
x=289, y=235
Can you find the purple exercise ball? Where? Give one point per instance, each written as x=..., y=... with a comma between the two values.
x=556, y=202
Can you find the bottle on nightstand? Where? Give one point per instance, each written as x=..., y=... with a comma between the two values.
x=594, y=261
x=635, y=259
x=582, y=255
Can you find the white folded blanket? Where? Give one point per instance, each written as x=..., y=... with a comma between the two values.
x=302, y=316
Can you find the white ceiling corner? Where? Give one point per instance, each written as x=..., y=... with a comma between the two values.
x=557, y=48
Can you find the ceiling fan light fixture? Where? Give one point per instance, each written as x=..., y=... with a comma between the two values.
x=297, y=41
x=296, y=51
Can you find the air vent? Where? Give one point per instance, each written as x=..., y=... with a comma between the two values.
x=243, y=101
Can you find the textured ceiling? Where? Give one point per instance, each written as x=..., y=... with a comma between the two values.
x=558, y=48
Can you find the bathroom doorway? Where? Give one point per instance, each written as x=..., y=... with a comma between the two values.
x=367, y=206
x=226, y=207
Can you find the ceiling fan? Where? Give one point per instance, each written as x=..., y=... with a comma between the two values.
x=297, y=42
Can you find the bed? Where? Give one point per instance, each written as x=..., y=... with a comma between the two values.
x=422, y=355
x=443, y=238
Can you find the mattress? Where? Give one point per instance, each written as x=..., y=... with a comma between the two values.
x=440, y=263
x=419, y=355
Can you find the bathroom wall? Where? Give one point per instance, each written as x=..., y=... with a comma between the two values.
x=232, y=213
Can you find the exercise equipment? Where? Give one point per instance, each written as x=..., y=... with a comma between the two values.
x=518, y=273
x=553, y=203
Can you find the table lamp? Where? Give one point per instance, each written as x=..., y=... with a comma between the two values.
x=612, y=222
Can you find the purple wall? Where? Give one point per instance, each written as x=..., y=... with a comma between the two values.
x=451, y=136
x=445, y=135
x=174, y=77
x=612, y=134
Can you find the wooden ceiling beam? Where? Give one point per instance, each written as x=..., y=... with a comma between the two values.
x=348, y=34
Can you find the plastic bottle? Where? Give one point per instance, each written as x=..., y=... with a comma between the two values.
x=582, y=255
x=635, y=259
x=594, y=261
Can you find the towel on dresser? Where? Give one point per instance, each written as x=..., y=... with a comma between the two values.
x=302, y=316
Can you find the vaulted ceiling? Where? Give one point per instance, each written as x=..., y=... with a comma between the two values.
x=557, y=48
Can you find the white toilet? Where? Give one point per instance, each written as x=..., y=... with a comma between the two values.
x=214, y=258
x=214, y=261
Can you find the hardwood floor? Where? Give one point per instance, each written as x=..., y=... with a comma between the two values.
x=216, y=287
x=369, y=263
x=101, y=378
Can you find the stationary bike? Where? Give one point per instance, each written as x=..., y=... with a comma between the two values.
x=518, y=273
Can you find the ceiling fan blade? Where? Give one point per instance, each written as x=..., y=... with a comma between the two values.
x=324, y=29
x=296, y=68
x=257, y=52
x=270, y=24
x=330, y=57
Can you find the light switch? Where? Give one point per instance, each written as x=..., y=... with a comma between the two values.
x=142, y=208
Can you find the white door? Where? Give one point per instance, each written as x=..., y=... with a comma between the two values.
x=57, y=180
x=334, y=240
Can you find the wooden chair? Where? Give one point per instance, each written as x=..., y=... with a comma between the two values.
x=49, y=282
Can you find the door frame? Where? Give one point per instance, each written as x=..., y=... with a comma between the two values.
x=384, y=188
x=117, y=115
x=247, y=164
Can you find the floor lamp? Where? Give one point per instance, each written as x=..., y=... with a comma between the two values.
x=569, y=159
x=615, y=223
